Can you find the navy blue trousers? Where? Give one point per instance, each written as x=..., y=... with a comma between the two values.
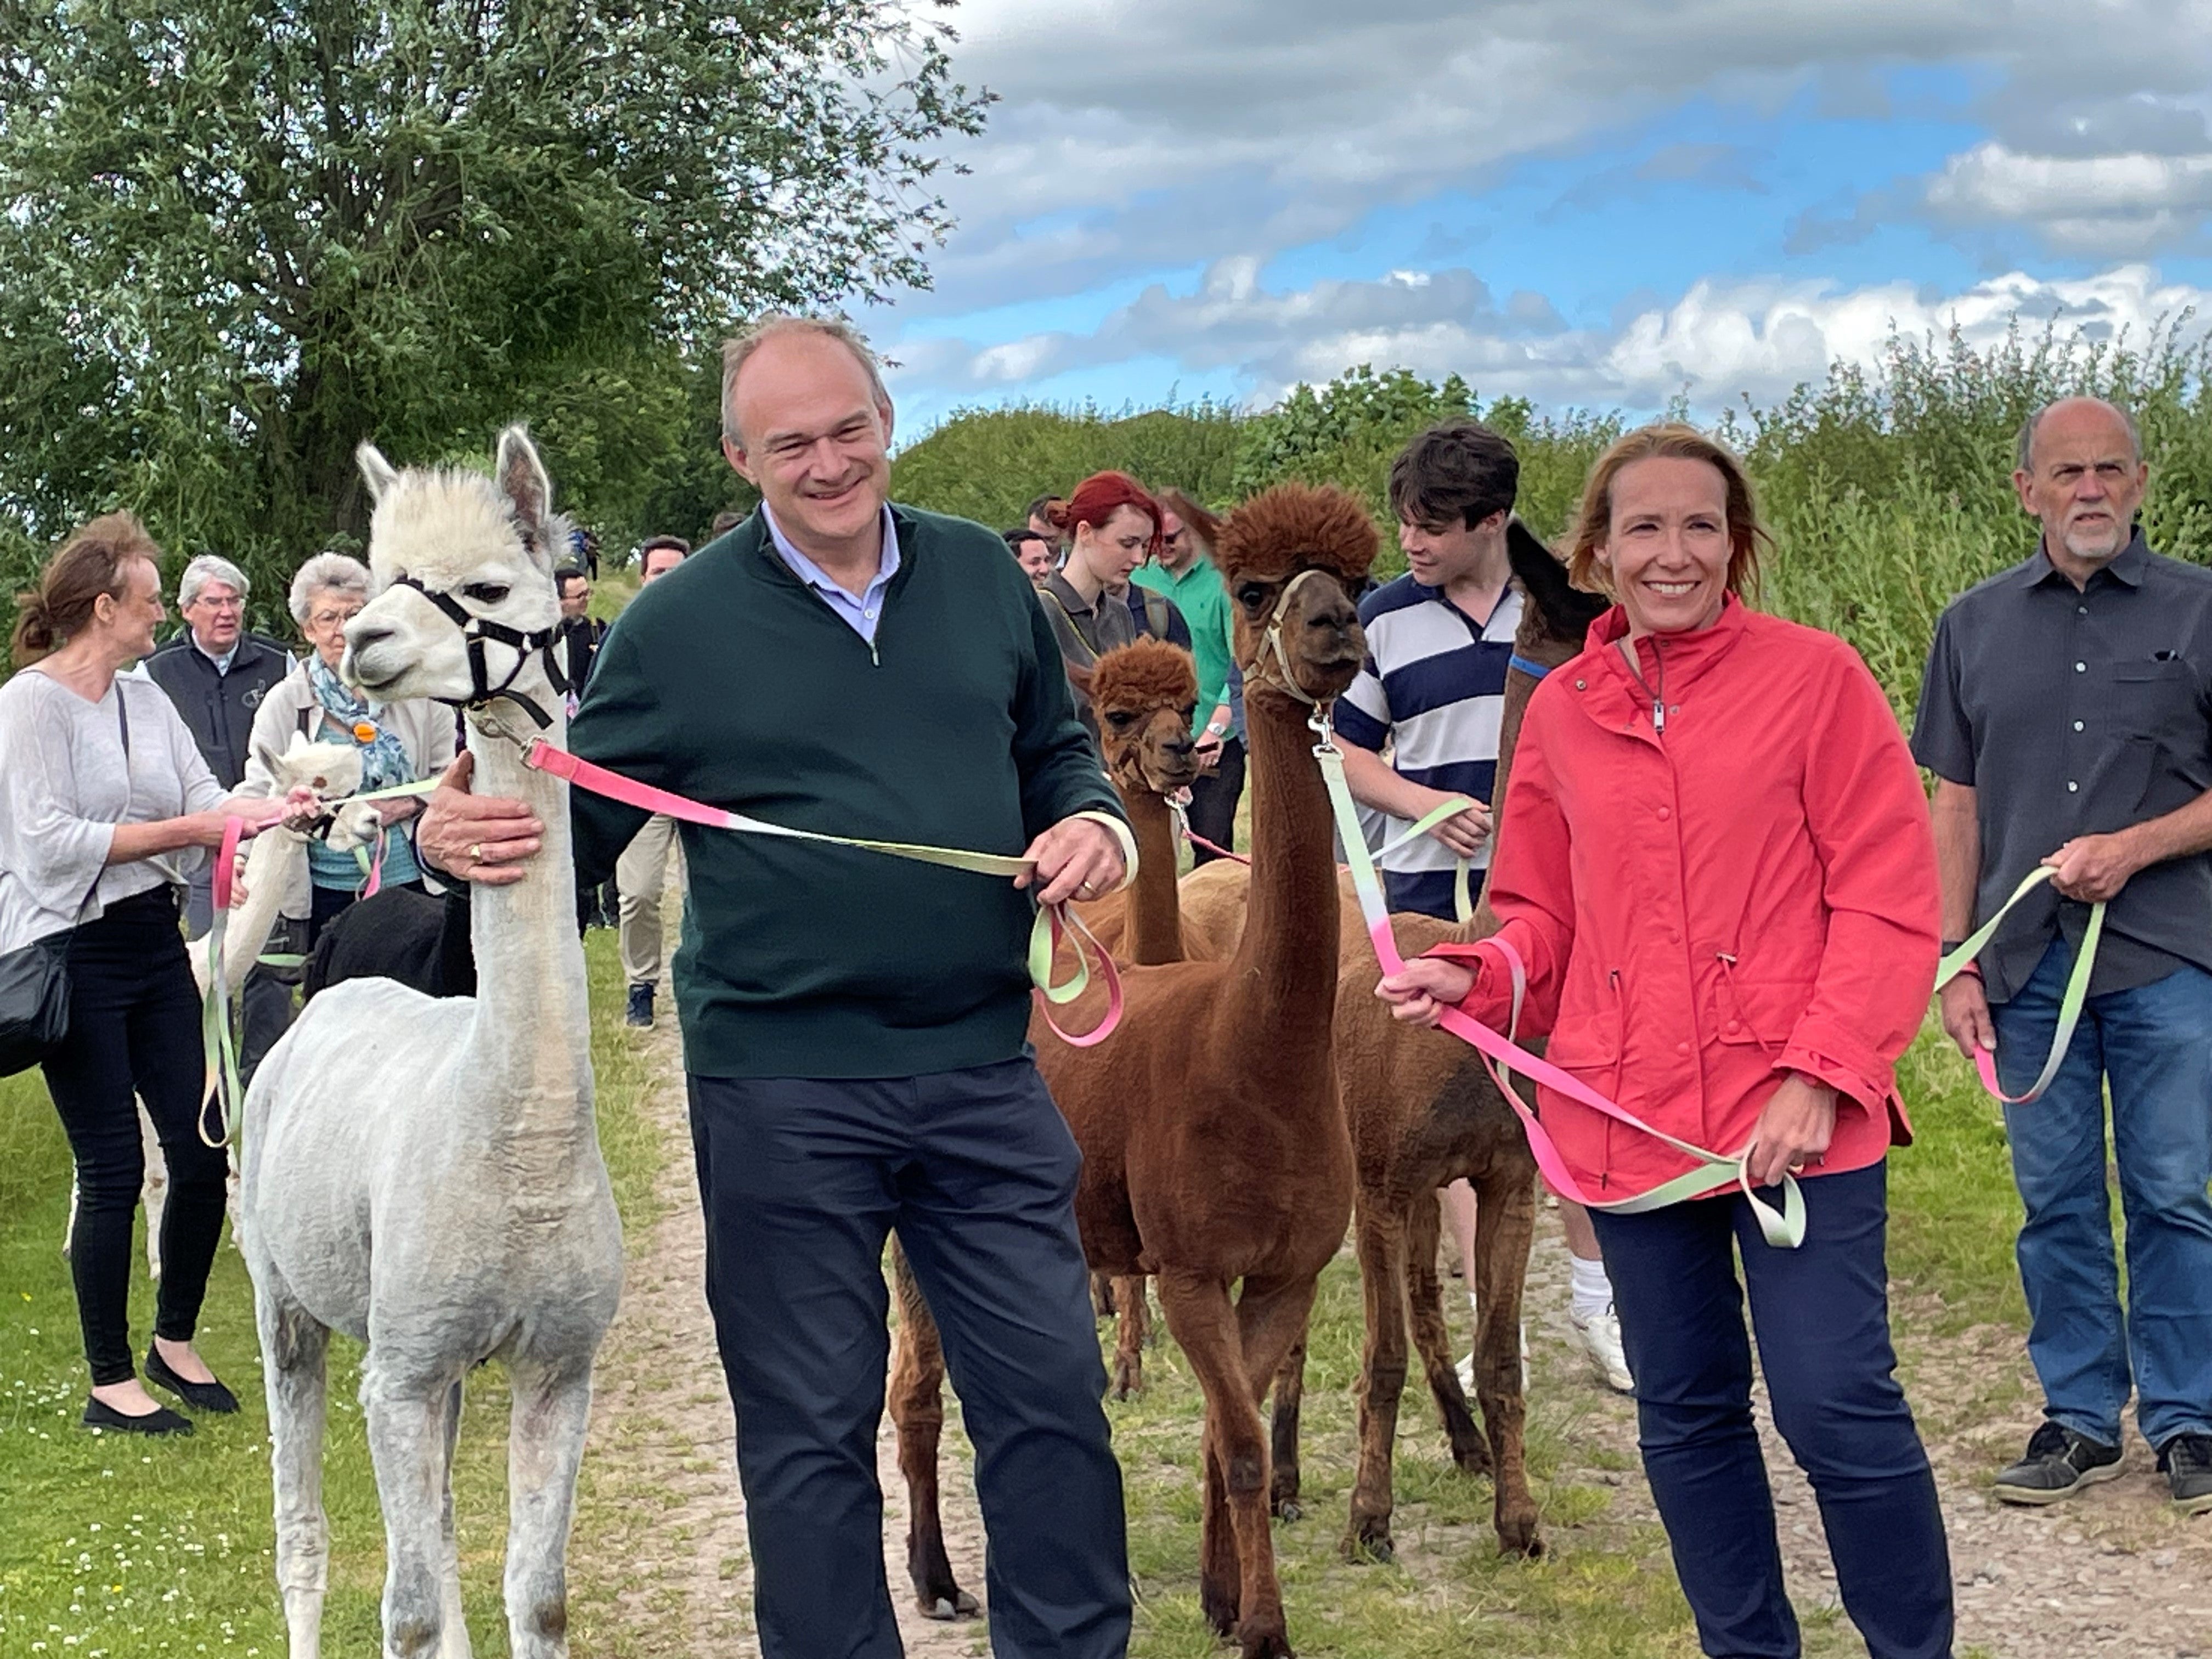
x=802, y=1179
x=1821, y=1316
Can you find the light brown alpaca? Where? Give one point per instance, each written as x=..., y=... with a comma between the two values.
x=1422, y=1114
x=1143, y=695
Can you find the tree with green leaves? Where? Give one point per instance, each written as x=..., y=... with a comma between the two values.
x=238, y=236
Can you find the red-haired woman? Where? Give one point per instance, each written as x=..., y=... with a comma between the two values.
x=1715, y=861
x=1113, y=526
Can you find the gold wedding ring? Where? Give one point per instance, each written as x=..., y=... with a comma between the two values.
x=476, y=852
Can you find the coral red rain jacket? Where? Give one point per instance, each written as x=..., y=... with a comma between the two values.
x=1749, y=889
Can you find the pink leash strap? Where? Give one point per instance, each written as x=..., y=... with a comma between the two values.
x=1054, y=922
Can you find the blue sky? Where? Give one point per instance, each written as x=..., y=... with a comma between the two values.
x=1585, y=201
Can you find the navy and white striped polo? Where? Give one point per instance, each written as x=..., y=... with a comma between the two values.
x=1433, y=689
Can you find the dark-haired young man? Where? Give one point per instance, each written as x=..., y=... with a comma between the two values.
x=1439, y=641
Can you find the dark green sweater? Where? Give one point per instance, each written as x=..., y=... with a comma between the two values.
x=730, y=681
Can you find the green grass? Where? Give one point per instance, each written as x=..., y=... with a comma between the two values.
x=111, y=1546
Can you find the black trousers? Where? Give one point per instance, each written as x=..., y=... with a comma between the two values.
x=134, y=1030
x=1213, y=800
x=801, y=1180
x=1820, y=1313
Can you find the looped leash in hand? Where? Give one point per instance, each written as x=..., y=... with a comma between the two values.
x=1785, y=1228
x=2070, y=1005
x=1054, y=923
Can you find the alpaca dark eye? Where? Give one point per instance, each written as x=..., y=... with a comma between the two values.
x=1119, y=719
x=487, y=592
x=1251, y=596
x=1188, y=710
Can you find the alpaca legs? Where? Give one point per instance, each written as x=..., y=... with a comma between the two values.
x=1380, y=1241
x=917, y=1407
x=1129, y=1337
x=454, y=1642
x=1203, y=1320
x=154, y=1193
x=1289, y=1395
x=294, y=1347
x=406, y=1422
x=551, y=1415
x=1432, y=1338
x=1505, y=1227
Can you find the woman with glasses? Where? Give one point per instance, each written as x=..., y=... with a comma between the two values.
x=400, y=742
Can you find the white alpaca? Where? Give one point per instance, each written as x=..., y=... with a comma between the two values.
x=276, y=858
x=424, y=1174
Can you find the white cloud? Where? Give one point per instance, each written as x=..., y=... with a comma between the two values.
x=1716, y=342
x=1146, y=131
x=2093, y=204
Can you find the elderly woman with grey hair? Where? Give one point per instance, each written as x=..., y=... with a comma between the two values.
x=400, y=742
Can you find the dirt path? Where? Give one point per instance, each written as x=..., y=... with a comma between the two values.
x=2112, y=1571
x=665, y=1520
x=662, y=1529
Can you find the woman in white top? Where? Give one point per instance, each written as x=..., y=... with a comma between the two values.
x=108, y=808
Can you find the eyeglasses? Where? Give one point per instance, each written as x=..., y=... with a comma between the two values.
x=233, y=603
x=333, y=618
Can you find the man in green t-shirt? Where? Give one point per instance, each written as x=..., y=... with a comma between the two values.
x=1186, y=574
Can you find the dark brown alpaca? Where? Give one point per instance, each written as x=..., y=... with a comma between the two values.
x=1214, y=1147
x=1143, y=695
x=1423, y=1113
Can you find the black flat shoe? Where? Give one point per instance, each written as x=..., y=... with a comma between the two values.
x=200, y=1396
x=98, y=1415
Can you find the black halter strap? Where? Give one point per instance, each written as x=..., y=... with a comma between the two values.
x=477, y=630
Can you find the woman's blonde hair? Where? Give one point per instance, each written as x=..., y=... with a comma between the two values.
x=1665, y=441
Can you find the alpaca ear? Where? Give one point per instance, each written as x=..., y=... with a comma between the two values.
x=380, y=473
x=299, y=742
x=1543, y=578
x=521, y=478
x=1079, y=676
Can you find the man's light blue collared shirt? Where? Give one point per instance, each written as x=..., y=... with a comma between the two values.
x=223, y=663
x=862, y=613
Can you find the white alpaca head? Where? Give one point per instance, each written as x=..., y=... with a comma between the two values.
x=330, y=769
x=486, y=542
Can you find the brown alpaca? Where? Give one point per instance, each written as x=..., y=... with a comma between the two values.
x=1213, y=1143
x=1423, y=1113
x=1143, y=695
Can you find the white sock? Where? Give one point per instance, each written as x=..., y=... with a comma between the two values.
x=1592, y=1292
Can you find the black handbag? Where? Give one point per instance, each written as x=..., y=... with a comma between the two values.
x=34, y=981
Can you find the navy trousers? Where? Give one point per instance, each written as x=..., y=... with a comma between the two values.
x=801, y=1180
x=1821, y=1316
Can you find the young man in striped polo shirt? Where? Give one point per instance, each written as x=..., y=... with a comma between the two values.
x=1439, y=641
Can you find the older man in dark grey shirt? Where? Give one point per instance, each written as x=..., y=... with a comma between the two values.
x=2066, y=715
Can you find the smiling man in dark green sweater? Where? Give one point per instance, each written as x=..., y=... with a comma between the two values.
x=855, y=1026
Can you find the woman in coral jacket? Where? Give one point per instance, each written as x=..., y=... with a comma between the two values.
x=1715, y=862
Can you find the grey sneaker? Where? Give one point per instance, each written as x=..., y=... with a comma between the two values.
x=2059, y=1463
x=639, y=1011
x=2186, y=1461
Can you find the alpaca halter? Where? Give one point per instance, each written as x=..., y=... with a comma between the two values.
x=1272, y=640
x=477, y=629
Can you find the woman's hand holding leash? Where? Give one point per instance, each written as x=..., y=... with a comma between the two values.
x=1794, y=1130
x=1428, y=986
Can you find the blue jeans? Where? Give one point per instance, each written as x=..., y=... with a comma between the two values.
x=801, y=1180
x=1821, y=1315
x=2153, y=1046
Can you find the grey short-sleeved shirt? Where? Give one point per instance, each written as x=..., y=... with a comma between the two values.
x=2075, y=713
